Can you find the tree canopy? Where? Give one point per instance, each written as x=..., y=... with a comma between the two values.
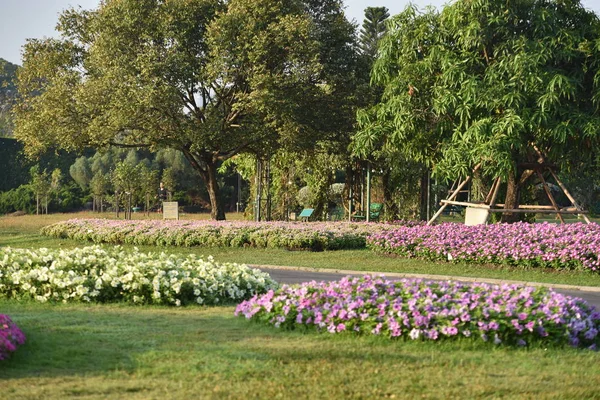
x=497, y=83
x=210, y=78
x=373, y=29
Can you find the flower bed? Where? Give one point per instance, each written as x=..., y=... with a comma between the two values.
x=294, y=236
x=112, y=275
x=418, y=310
x=10, y=336
x=566, y=246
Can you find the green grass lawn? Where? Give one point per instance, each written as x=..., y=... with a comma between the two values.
x=143, y=352
x=118, y=351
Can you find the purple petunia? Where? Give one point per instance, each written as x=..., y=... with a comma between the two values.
x=416, y=309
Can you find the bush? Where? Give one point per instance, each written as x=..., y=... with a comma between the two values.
x=418, y=310
x=297, y=236
x=566, y=246
x=115, y=275
x=18, y=199
x=10, y=336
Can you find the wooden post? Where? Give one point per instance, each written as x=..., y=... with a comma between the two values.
x=568, y=195
x=367, y=210
x=549, y=193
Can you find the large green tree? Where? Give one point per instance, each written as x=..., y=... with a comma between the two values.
x=210, y=78
x=8, y=93
x=505, y=84
x=373, y=29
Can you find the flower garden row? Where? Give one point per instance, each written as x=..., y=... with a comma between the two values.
x=114, y=275
x=289, y=235
x=567, y=246
x=10, y=336
x=418, y=310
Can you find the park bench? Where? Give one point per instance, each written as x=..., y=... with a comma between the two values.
x=375, y=212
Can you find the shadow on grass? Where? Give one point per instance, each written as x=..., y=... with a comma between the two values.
x=65, y=340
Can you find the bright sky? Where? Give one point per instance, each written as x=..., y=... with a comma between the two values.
x=22, y=19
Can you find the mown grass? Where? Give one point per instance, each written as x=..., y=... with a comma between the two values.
x=119, y=351
x=95, y=351
x=23, y=231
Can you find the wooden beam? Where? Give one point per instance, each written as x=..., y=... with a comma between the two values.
x=452, y=196
x=495, y=192
x=543, y=211
x=466, y=204
x=569, y=196
x=549, y=194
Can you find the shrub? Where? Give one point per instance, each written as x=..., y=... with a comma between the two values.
x=566, y=246
x=113, y=275
x=418, y=310
x=306, y=236
x=10, y=336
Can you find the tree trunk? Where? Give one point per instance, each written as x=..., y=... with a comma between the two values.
x=206, y=166
x=117, y=203
x=212, y=185
x=511, y=201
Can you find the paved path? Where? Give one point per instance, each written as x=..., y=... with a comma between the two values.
x=292, y=275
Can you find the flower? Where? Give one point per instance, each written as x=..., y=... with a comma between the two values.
x=432, y=311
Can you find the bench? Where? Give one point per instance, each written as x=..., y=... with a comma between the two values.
x=306, y=214
x=375, y=212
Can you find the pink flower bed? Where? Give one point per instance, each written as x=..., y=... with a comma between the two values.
x=566, y=246
x=290, y=235
x=419, y=310
x=10, y=336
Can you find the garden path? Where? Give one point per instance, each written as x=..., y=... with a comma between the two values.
x=291, y=275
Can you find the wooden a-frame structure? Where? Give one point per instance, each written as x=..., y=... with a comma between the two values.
x=491, y=206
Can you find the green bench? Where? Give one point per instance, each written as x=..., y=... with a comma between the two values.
x=375, y=212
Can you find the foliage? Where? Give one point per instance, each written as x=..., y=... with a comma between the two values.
x=18, y=199
x=8, y=95
x=417, y=310
x=567, y=246
x=293, y=236
x=209, y=78
x=115, y=275
x=10, y=336
x=373, y=29
x=488, y=81
x=99, y=184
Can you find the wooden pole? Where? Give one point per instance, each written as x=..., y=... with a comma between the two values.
x=452, y=196
x=563, y=187
x=367, y=210
x=549, y=194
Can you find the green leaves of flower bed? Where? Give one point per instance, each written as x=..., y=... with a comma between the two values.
x=420, y=310
x=10, y=336
x=112, y=275
x=293, y=236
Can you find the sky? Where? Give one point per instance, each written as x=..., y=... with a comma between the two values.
x=23, y=19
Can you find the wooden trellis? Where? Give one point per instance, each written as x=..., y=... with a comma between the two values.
x=491, y=206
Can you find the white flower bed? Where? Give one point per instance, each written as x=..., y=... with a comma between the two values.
x=114, y=275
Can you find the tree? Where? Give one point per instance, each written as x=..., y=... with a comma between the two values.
x=373, y=29
x=8, y=94
x=126, y=181
x=81, y=172
x=99, y=185
x=41, y=186
x=506, y=85
x=207, y=77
